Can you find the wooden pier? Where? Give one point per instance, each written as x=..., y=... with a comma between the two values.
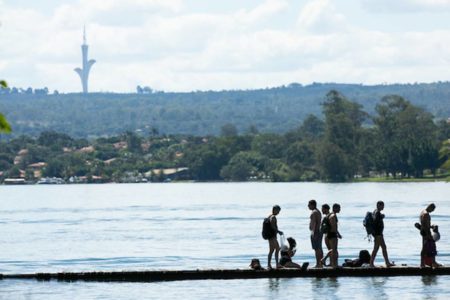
x=214, y=274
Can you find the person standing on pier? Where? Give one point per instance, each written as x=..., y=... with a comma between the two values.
x=316, y=235
x=324, y=229
x=272, y=238
x=333, y=235
x=428, y=244
x=378, y=228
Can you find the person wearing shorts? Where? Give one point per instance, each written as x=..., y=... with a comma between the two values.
x=333, y=235
x=378, y=235
x=316, y=235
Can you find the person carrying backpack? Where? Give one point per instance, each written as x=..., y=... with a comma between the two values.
x=377, y=232
x=269, y=233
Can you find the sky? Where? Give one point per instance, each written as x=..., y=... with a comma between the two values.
x=189, y=45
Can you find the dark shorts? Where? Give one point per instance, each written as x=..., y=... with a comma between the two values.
x=316, y=241
x=377, y=232
x=332, y=235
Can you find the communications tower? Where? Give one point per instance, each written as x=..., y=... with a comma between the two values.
x=86, y=64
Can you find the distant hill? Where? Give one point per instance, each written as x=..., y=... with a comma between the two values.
x=200, y=113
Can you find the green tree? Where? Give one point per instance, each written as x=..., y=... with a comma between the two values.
x=228, y=130
x=444, y=155
x=312, y=128
x=443, y=127
x=205, y=161
x=244, y=165
x=408, y=138
x=301, y=153
x=133, y=142
x=269, y=144
x=54, y=168
x=336, y=165
x=343, y=127
x=14, y=172
x=55, y=140
x=4, y=125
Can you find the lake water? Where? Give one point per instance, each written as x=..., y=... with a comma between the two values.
x=202, y=226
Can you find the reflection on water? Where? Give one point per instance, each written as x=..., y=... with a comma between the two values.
x=377, y=285
x=431, y=288
x=320, y=283
x=429, y=280
x=274, y=284
x=322, y=288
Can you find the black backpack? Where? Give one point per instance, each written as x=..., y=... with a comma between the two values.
x=369, y=223
x=325, y=226
x=267, y=231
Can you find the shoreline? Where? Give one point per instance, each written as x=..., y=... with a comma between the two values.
x=359, y=180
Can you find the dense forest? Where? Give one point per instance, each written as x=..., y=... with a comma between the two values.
x=271, y=110
x=344, y=143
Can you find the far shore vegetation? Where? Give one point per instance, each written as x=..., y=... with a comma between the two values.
x=400, y=141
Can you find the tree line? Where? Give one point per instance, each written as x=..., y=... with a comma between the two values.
x=399, y=140
x=200, y=113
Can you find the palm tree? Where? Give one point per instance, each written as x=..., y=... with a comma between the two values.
x=4, y=125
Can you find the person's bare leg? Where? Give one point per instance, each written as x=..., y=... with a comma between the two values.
x=274, y=247
x=277, y=252
x=385, y=254
x=327, y=256
x=327, y=244
x=269, y=258
x=376, y=246
x=271, y=250
x=422, y=254
x=292, y=265
x=435, y=264
x=319, y=256
x=334, y=254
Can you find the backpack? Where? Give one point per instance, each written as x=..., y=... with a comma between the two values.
x=369, y=223
x=325, y=226
x=267, y=230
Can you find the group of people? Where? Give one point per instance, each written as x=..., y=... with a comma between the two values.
x=326, y=229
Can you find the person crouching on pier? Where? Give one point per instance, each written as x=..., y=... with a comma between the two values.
x=287, y=252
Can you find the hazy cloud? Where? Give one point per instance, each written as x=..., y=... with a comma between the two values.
x=168, y=46
x=320, y=16
x=407, y=6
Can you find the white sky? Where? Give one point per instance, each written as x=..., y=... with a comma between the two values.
x=185, y=45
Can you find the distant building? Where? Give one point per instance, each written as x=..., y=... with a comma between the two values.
x=88, y=149
x=170, y=173
x=36, y=168
x=86, y=64
x=14, y=181
x=20, y=155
